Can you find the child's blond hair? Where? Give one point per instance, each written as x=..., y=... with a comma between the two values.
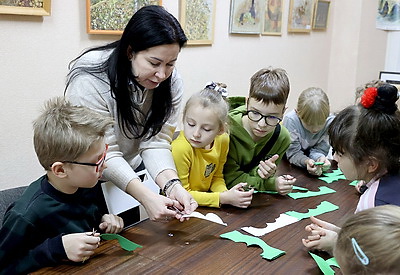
x=313, y=106
x=212, y=96
x=369, y=242
x=64, y=132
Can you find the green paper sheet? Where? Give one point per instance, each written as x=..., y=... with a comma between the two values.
x=325, y=265
x=322, y=191
x=269, y=253
x=322, y=208
x=274, y=192
x=123, y=242
x=335, y=175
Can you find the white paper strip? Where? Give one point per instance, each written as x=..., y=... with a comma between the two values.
x=209, y=217
x=281, y=221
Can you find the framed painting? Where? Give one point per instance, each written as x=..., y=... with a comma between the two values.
x=246, y=16
x=197, y=18
x=24, y=7
x=272, y=21
x=111, y=17
x=300, y=15
x=321, y=15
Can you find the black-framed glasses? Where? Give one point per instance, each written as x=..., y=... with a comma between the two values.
x=256, y=117
x=98, y=164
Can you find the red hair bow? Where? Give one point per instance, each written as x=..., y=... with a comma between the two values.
x=368, y=97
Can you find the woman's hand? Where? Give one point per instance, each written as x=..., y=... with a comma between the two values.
x=185, y=202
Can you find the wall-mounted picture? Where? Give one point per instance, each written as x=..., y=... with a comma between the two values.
x=320, y=21
x=246, y=16
x=388, y=17
x=300, y=15
x=272, y=21
x=111, y=17
x=25, y=7
x=197, y=19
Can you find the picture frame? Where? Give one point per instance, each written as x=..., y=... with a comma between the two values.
x=321, y=13
x=300, y=15
x=390, y=77
x=111, y=17
x=197, y=18
x=246, y=16
x=41, y=8
x=272, y=21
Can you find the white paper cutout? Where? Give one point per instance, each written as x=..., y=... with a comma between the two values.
x=281, y=221
x=209, y=217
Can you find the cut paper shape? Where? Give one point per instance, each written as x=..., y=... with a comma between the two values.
x=335, y=175
x=274, y=192
x=324, y=265
x=209, y=217
x=281, y=221
x=322, y=208
x=323, y=190
x=269, y=252
x=354, y=183
x=123, y=242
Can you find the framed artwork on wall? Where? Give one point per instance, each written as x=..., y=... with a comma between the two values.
x=246, y=16
x=20, y=7
x=111, y=17
x=197, y=18
x=321, y=15
x=272, y=21
x=300, y=15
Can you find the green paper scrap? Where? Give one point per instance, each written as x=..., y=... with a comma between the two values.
x=274, y=192
x=123, y=242
x=319, y=163
x=325, y=265
x=322, y=208
x=335, y=175
x=354, y=183
x=322, y=191
x=269, y=253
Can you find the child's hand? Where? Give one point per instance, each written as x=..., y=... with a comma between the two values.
x=80, y=246
x=267, y=168
x=236, y=196
x=313, y=169
x=284, y=184
x=111, y=223
x=322, y=236
x=327, y=164
x=358, y=186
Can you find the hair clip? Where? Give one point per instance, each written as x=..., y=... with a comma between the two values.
x=368, y=97
x=359, y=253
x=217, y=87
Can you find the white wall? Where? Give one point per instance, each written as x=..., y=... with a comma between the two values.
x=35, y=51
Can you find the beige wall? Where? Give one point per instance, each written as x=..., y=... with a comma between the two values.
x=35, y=51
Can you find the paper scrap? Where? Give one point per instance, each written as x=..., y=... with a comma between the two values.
x=322, y=208
x=209, y=217
x=335, y=175
x=323, y=190
x=324, y=265
x=281, y=221
x=269, y=253
x=274, y=192
x=123, y=242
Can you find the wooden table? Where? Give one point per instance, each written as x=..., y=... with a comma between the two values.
x=195, y=246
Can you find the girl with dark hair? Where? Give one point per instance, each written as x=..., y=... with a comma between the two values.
x=366, y=141
x=134, y=81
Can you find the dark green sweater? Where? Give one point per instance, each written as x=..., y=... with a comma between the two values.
x=30, y=237
x=242, y=149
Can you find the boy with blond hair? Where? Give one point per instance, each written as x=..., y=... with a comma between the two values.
x=56, y=218
x=257, y=140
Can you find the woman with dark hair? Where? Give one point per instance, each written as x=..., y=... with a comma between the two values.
x=134, y=81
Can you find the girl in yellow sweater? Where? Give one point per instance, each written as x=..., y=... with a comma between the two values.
x=201, y=148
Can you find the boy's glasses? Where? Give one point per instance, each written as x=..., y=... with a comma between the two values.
x=256, y=117
x=98, y=164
